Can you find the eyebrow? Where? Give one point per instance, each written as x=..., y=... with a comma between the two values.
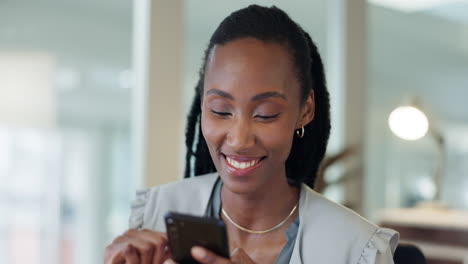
x=220, y=93
x=255, y=98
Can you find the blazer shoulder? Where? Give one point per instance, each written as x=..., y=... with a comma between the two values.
x=334, y=226
x=187, y=196
x=194, y=184
x=335, y=215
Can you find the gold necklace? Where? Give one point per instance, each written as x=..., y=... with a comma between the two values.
x=261, y=231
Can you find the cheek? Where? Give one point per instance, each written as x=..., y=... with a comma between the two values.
x=279, y=140
x=211, y=130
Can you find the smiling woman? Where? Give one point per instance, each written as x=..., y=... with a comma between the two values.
x=256, y=134
x=253, y=114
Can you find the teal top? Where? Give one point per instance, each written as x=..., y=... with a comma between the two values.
x=214, y=210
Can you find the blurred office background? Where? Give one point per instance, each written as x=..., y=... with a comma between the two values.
x=93, y=98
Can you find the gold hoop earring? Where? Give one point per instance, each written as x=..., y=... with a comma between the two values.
x=300, y=134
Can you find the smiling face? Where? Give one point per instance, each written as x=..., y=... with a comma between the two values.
x=250, y=109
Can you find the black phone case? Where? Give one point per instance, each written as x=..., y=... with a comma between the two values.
x=185, y=231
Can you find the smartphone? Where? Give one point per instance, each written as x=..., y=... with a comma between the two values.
x=186, y=231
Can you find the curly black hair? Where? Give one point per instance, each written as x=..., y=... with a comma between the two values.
x=270, y=25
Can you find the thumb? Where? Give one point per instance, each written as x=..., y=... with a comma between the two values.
x=239, y=256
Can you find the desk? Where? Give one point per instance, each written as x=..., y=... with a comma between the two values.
x=442, y=234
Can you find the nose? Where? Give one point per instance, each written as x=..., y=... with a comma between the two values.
x=240, y=137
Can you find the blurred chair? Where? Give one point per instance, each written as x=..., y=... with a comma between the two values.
x=408, y=254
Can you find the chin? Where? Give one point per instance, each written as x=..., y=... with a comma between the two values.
x=240, y=185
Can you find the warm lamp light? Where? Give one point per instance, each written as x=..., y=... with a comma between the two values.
x=408, y=122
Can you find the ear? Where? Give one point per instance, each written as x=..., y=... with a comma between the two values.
x=307, y=111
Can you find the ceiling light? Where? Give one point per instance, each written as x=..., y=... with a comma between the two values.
x=411, y=5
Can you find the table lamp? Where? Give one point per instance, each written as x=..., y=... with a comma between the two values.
x=410, y=123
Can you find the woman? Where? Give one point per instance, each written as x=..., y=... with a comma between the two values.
x=257, y=131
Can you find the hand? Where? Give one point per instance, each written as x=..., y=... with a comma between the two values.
x=138, y=246
x=205, y=256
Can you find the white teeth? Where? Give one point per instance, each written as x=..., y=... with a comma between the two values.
x=241, y=165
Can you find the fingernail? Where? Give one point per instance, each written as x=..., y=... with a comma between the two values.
x=234, y=251
x=168, y=262
x=198, y=252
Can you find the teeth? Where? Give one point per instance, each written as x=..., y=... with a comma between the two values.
x=241, y=165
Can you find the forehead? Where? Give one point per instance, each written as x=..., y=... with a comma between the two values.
x=251, y=63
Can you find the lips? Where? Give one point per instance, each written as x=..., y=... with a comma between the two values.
x=240, y=165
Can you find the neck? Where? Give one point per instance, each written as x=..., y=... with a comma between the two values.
x=264, y=208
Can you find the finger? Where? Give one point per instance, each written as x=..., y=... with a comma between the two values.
x=158, y=252
x=113, y=254
x=159, y=240
x=161, y=252
x=207, y=257
x=144, y=249
x=233, y=252
x=167, y=254
x=148, y=234
x=169, y=261
x=110, y=254
x=151, y=233
x=240, y=256
x=130, y=255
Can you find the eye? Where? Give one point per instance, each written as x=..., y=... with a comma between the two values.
x=267, y=117
x=220, y=114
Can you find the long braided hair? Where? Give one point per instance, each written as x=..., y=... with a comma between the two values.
x=271, y=25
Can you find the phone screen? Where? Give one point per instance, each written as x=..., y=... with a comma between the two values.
x=186, y=231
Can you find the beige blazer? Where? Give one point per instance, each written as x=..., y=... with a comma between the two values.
x=328, y=232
